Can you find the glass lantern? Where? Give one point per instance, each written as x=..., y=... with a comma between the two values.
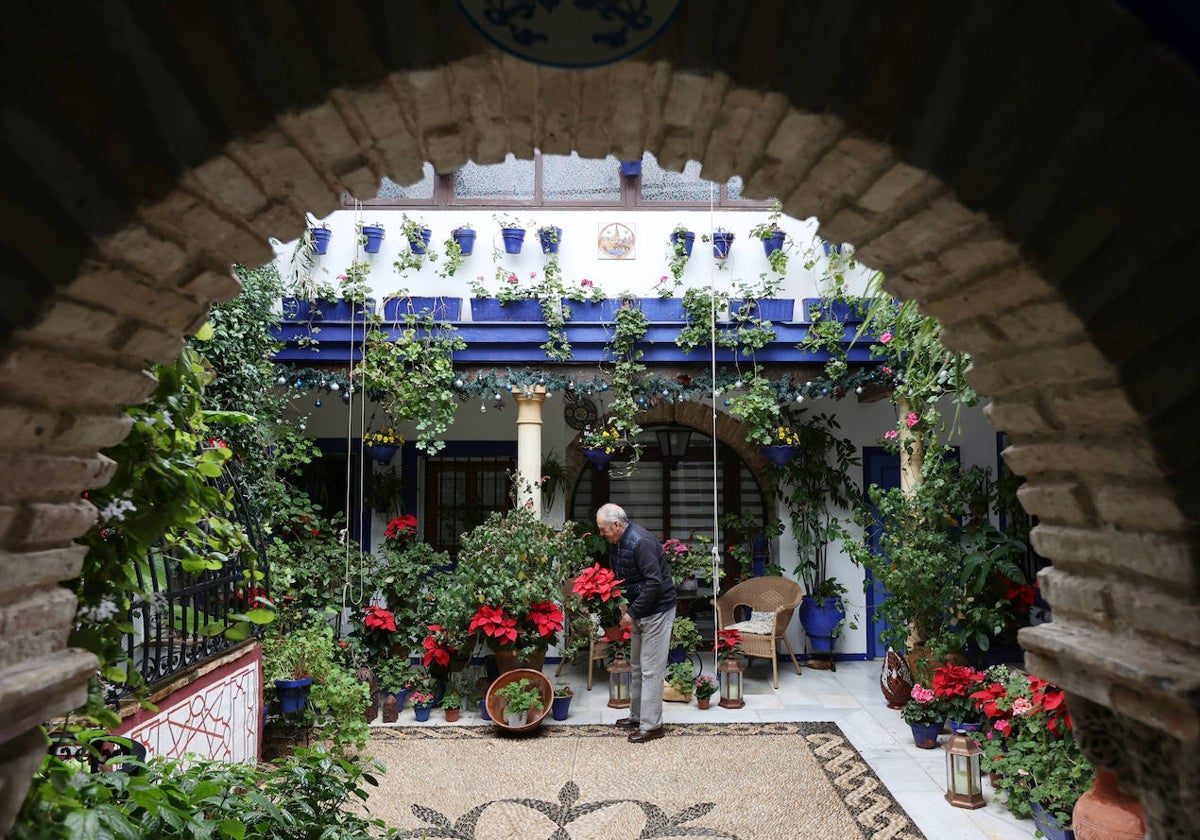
x=729, y=678
x=620, y=675
x=964, y=779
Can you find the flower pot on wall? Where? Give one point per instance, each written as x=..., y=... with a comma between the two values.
x=774, y=242
x=587, y=311
x=550, y=237
x=420, y=244
x=465, y=237
x=631, y=168
x=514, y=238
x=320, y=239
x=299, y=309
x=663, y=309
x=689, y=239
x=373, y=234
x=766, y=309
x=722, y=241
x=834, y=310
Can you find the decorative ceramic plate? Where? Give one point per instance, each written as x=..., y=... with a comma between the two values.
x=580, y=412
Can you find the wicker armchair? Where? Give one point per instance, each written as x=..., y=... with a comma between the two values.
x=776, y=595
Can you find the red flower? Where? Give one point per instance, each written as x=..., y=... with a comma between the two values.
x=729, y=641
x=436, y=650
x=986, y=701
x=547, y=617
x=494, y=623
x=955, y=680
x=596, y=582
x=401, y=527
x=1022, y=595
x=377, y=618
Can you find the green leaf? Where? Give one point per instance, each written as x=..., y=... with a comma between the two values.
x=228, y=418
x=206, y=332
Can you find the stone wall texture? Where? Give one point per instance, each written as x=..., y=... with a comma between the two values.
x=1027, y=171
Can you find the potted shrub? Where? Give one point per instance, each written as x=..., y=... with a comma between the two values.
x=682, y=240
x=520, y=696
x=705, y=688
x=685, y=638
x=417, y=233
x=679, y=683
x=596, y=593
x=292, y=655
x=422, y=703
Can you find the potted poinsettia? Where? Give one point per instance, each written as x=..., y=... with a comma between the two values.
x=600, y=595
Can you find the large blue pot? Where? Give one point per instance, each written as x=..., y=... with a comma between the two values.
x=293, y=694
x=819, y=618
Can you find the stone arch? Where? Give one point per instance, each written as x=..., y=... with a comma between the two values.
x=1026, y=173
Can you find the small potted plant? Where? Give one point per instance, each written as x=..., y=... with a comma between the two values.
x=685, y=638
x=953, y=685
x=722, y=241
x=451, y=704
x=371, y=237
x=925, y=715
x=549, y=236
x=599, y=595
x=422, y=703
x=680, y=682
x=599, y=445
x=320, y=238
x=464, y=237
x=705, y=688
x=520, y=696
x=382, y=445
x=561, y=703
x=773, y=239
x=512, y=232
x=416, y=232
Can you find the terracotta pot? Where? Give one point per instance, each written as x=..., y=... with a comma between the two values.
x=1107, y=813
x=507, y=661
x=451, y=715
x=703, y=702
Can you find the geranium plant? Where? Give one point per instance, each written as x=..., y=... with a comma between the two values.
x=706, y=687
x=922, y=707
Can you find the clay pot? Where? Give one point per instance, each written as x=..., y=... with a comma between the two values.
x=702, y=702
x=895, y=680
x=1107, y=813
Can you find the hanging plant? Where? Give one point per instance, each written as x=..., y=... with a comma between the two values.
x=629, y=328
x=414, y=375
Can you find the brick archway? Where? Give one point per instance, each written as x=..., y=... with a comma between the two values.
x=1026, y=173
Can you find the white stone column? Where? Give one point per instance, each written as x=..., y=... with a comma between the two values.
x=529, y=445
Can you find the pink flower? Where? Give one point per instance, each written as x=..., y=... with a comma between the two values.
x=1002, y=726
x=586, y=283
x=533, y=275
x=921, y=694
x=891, y=434
x=912, y=419
x=886, y=369
x=512, y=278
x=1021, y=706
x=885, y=338
x=662, y=279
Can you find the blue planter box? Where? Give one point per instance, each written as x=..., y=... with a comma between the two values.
x=491, y=309
x=605, y=310
x=768, y=309
x=663, y=309
x=835, y=310
x=443, y=309
x=298, y=309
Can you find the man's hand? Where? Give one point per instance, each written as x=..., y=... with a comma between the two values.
x=626, y=620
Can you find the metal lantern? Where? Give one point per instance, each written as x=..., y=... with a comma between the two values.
x=964, y=779
x=620, y=675
x=729, y=678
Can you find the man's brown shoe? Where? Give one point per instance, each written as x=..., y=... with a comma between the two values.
x=627, y=724
x=644, y=735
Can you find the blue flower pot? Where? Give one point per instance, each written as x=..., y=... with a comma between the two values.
x=550, y=239
x=421, y=244
x=767, y=309
x=722, y=241
x=631, y=168
x=492, y=309
x=925, y=735
x=374, y=239
x=293, y=694
x=779, y=455
x=1046, y=824
x=581, y=311
x=320, y=238
x=689, y=239
x=422, y=711
x=662, y=309
x=819, y=618
x=465, y=237
x=598, y=457
x=559, y=707
x=483, y=712
x=774, y=242
x=514, y=238
x=382, y=452
x=443, y=309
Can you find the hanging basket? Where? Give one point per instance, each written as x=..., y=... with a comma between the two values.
x=598, y=457
x=382, y=452
x=779, y=455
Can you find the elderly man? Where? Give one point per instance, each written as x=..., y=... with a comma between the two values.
x=637, y=559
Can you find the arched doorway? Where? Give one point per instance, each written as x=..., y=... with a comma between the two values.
x=1040, y=210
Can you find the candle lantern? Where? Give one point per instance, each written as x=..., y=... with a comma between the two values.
x=729, y=678
x=964, y=780
x=620, y=675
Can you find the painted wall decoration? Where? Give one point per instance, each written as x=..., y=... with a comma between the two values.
x=616, y=241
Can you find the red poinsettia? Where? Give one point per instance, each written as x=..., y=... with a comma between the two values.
x=437, y=650
x=495, y=623
x=955, y=680
x=729, y=641
x=1050, y=699
x=546, y=617
x=401, y=528
x=377, y=618
x=1022, y=595
x=987, y=701
x=596, y=583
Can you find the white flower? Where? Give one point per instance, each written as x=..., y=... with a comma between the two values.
x=116, y=509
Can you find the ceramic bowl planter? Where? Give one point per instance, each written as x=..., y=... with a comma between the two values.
x=598, y=457
x=514, y=239
x=820, y=618
x=320, y=239
x=465, y=237
x=778, y=455
x=373, y=238
x=383, y=453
